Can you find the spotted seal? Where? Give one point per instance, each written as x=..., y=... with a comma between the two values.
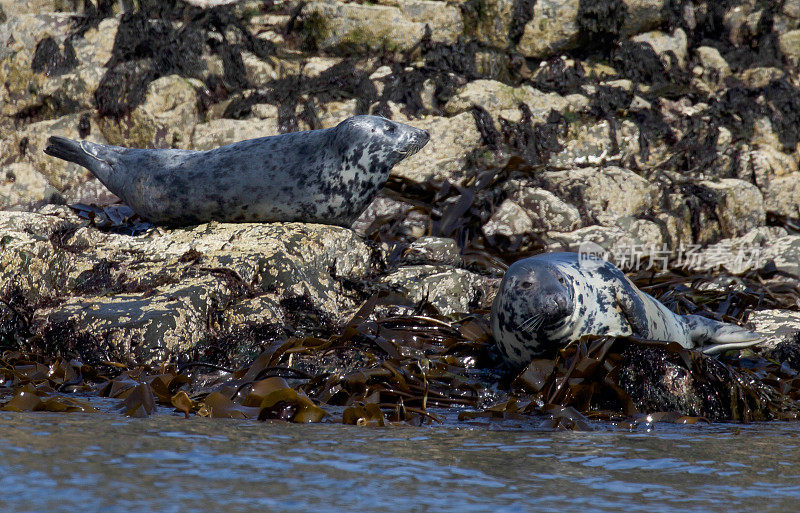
x=325, y=176
x=549, y=300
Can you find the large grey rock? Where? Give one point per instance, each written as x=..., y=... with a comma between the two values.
x=489, y=21
x=611, y=239
x=21, y=184
x=17, y=7
x=220, y=132
x=764, y=164
x=603, y=193
x=26, y=146
x=750, y=251
x=591, y=143
x=530, y=210
x=776, y=325
x=157, y=291
x=643, y=15
x=61, y=92
x=713, y=68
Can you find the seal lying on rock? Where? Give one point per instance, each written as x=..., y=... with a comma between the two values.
x=549, y=300
x=320, y=176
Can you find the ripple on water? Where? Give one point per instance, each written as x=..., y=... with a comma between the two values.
x=93, y=463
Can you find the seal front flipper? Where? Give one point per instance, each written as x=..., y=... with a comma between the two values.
x=97, y=158
x=633, y=310
x=719, y=336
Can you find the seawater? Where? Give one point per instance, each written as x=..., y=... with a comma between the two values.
x=106, y=463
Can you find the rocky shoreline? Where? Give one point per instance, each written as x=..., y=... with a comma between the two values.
x=658, y=129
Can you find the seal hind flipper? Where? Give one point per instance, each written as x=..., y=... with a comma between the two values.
x=719, y=336
x=97, y=158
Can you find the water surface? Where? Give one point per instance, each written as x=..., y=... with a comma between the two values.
x=106, y=463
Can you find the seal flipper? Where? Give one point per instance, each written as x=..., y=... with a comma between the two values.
x=97, y=158
x=634, y=311
x=720, y=335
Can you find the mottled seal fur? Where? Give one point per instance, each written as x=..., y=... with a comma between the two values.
x=549, y=300
x=323, y=176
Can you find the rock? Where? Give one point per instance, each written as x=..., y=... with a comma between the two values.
x=739, y=205
x=509, y=220
x=764, y=164
x=220, y=132
x=553, y=29
x=17, y=7
x=444, y=156
x=642, y=15
x=433, y=250
x=489, y=21
x=592, y=143
x=165, y=120
x=776, y=325
x=714, y=68
x=22, y=185
x=782, y=195
x=380, y=208
x=54, y=88
x=612, y=239
x=149, y=329
x=790, y=46
x=734, y=255
x=758, y=77
x=494, y=96
x=357, y=27
x=157, y=291
x=673, y=49
x=603, y=193
x=531, y=210
x=258, y=71
x=95, y=47
x=27, y=146
x=450, y=290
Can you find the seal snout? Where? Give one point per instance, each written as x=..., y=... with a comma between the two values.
x=555, y=305
x=418, y=139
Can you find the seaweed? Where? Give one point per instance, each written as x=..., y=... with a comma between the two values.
x=639, y=63
x=50, y=60
x=341, y=81
x=388, y=369
x=522, y=13
x=151, y=43
x=556, y=76
x=599, y=23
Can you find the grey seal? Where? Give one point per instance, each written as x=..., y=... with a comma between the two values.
x=324, y=176
x=547, y=301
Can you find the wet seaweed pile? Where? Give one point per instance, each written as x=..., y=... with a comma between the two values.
x=380, y=369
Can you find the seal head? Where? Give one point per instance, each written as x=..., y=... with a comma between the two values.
x=534, y=298
x=386, y=142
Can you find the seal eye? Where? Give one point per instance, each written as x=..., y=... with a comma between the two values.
x=526, y=284
x=561, y=280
